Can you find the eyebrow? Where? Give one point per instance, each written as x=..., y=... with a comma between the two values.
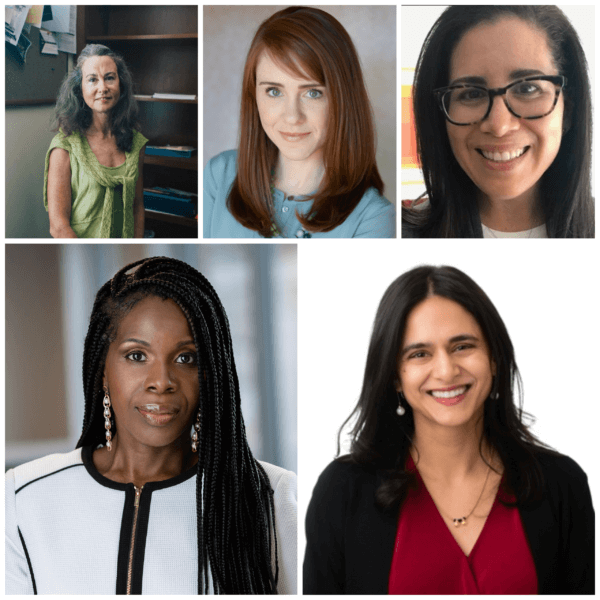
x=457, y=338
x=307, y=85
x=147, y=344
x=94, y=74
x=516, y=74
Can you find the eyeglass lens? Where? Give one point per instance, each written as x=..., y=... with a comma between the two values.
x=526, y=99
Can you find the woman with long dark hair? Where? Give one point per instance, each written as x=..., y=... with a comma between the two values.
x=162, y=494
x=445, y=489
x=305, y=165
x=93, y=184
x=503, y=120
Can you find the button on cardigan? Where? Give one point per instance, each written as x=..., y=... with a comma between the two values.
x=350, y=541
x=68, y=530
x=373, y=217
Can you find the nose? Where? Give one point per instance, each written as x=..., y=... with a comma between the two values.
x=160, y=379
x=293, y=110
x=500, y=121
x=444, y=367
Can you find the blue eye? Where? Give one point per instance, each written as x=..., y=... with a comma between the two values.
x=276, y=92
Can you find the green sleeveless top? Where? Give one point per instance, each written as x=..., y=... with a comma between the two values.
x=101, y=197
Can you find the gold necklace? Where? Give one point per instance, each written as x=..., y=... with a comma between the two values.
x=463, y=520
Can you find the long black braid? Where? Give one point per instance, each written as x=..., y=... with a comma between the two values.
x=234, y=500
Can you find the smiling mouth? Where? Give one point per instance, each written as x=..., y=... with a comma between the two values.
x=449, y=394
x=503, y=156
x=292, y=137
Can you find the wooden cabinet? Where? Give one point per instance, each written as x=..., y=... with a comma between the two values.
x=160, y=46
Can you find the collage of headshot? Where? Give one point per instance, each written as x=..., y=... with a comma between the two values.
x=228, y=394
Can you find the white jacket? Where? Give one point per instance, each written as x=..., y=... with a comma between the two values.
x=69, y=529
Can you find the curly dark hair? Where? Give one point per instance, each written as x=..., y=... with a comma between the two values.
x=234, y=498
x=383, y=441
x=72, y=114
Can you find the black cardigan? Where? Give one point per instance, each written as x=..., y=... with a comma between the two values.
x=350, y=541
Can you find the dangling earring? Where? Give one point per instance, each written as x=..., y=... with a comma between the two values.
x=106, y=403
x=195, y=434
x=400, y=411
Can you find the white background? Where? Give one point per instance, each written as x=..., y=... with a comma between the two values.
x=546, y=293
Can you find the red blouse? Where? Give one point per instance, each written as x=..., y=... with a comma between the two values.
x=427, y=559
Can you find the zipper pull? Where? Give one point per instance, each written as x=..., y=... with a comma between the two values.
x=138, y=493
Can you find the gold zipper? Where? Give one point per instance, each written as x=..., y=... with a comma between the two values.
x=136, y=504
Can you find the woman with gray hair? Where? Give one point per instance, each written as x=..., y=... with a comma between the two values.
x=93, y=184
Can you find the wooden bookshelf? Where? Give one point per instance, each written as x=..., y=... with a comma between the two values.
x=160, y=46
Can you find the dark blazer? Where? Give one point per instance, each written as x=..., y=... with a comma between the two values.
x=350, y=541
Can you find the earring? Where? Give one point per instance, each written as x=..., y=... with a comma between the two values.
x=195, y=434
x=106, y=403
x=400, y=411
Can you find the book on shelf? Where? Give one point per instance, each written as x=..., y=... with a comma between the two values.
x=177, y=151
x=158, y=96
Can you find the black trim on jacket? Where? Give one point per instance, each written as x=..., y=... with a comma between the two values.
x=28, y=560
x=350, y=541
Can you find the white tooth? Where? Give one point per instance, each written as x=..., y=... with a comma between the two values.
x=497, y=156
x=450, y=394
x=506, y=156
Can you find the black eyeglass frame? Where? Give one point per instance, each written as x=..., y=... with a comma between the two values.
x=559, y=80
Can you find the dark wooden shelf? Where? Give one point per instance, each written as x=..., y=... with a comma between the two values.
x=139, y=99
x=172, y=161
x=174, y=37
x=157, y=215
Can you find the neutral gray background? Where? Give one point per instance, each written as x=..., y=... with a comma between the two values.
x=228, y=32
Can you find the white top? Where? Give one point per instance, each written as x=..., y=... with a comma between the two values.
x=536, y=232
x=68, y=530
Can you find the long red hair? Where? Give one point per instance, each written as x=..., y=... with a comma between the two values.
x=309, y=39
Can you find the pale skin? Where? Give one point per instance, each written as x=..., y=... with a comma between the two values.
x=452, y=352
x=101, y=92
x=291, y=105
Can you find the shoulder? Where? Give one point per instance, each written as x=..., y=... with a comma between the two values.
x=344, y=477
x=222, y=164
x=139, y=141
x=60, y=140
x=43, y=469
x=561, y=470
x=373, y=201
x=282, y=481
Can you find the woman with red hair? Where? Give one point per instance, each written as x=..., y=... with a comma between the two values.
x=305, y=166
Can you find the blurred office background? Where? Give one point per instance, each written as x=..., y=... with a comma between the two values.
x=50, y=291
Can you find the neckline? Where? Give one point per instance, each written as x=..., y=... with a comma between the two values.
x=96, y=158
x=86, y=456
x=515, y=234
x=412, y=467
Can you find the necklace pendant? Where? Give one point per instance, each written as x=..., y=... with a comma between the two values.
x=459, y=522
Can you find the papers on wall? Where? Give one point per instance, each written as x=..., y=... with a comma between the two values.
x=34, y=17
x=66, y=42
x=64, y=19
x=48, y=43
x=14, y=19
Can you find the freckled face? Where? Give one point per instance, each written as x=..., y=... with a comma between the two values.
x=493, y=52
x=152, y=367
x=445, y=369
x=293, y=111
x=100, y=83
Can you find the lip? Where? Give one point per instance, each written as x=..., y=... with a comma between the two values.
x=450, y=401
x=293, y=137
x=507, y=165
x=156, y=414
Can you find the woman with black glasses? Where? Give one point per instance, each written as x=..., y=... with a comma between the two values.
x=503, y=121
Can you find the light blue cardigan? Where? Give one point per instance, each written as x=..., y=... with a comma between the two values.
x=374, y=216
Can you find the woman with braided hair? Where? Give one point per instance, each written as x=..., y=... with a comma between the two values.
x=162, y=494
